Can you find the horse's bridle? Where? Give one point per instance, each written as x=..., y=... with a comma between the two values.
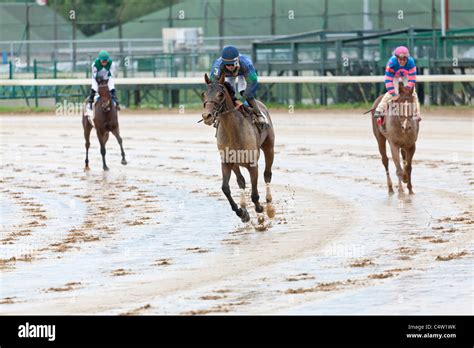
x=220, y=106
x=108, y=104
x=219, y=111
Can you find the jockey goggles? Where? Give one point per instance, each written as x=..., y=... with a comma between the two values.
x=233, y=61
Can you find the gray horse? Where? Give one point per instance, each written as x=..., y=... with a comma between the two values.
x=239, y=142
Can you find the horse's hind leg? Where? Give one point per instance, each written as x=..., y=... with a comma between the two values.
x=383, y=152
x=116, y=132
x=87, y=135
x=103, y=137
x=226, y=172
x=253, y=170
x=269, y=153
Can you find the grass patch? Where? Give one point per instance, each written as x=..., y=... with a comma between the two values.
x=25, y=109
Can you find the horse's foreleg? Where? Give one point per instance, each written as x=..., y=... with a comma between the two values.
x=396, y=159
x=241, y=183
x=254, y=180
x=87, y=133
x=383, y=152
x=103, y=137
x=404, y=165
x=409, y=158
x=226, y=171
x=116, y=133
x=240, y=177
x=269, y=153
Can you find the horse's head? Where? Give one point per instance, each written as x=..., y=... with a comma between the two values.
x=214, y=99
x=406, y=93
x=404, y=108
x=104, y=93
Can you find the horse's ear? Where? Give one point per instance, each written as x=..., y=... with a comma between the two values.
x=222, y=79
x=206, y=78
x=401, y=87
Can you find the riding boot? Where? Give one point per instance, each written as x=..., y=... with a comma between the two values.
x=261, y=119
x=114, y=98
x=90, y=101
x=380, y=119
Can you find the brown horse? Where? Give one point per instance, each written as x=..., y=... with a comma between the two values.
x=105, y=121
x=239, y=142
x=401, y=133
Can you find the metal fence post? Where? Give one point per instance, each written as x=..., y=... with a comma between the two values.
x=35, y=72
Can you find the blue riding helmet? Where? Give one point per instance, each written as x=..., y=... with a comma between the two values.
x=230, y=55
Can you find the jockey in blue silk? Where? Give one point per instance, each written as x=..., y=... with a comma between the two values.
x=240, y=67
x=103, y=67
x=400, y=67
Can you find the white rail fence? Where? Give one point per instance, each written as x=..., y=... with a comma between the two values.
x=200, y=80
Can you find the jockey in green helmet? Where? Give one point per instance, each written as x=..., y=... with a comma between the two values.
x=103, y=67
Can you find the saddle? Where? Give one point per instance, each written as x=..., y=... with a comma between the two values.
x=246, y=110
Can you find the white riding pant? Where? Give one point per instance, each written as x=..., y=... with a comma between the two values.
x=237, y=82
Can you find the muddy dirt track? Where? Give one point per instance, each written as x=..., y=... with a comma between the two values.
x=158, y=237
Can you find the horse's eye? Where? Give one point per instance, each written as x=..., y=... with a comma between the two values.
x=203, y=94
x=220, y=95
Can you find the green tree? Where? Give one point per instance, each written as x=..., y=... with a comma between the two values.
x=94, y=16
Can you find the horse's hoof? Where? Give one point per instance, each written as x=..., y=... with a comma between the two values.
x=390, y=191
x=405, y=178
x=270, y=211
x=106, y=168
x=86, y=169
x=245, y=216
x=124, y=162
x=411, y=192
x=259, y=209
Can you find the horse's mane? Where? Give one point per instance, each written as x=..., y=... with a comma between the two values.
x=229, y=88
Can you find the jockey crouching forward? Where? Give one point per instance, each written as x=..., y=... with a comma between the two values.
x=400, y=67
x=240, y=67
x=103, y=67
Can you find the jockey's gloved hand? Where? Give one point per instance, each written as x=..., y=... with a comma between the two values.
x=395, y=98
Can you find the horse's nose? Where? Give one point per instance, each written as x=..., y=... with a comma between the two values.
x=206, y=115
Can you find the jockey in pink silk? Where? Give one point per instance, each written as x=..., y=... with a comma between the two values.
x=400, y=67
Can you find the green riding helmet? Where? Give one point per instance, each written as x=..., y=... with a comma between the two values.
x=104, y=55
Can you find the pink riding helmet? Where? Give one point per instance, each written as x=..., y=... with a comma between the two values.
x=401, y=50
